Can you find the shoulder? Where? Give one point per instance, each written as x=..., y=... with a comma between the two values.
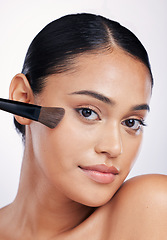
x=146, y=185
x=139, y=208
x=146, y=192
x=150, y=188
x=5, y=224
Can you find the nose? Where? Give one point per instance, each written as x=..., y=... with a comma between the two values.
x=110, y=141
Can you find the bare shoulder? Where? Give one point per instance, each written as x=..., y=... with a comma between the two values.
x=139, y=209
x=150, y=189
x=146, y=185
x=4, y=223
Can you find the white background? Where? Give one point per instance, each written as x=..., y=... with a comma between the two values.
x=21, y=20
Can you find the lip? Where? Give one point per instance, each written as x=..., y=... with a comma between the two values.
x=100, y=173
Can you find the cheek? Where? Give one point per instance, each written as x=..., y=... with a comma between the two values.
x=60, y=150
x=131, y=150
x=58, y=153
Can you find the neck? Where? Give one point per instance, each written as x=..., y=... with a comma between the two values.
x=42, y=209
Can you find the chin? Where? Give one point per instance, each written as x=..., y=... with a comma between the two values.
x=95, y=201
x=96, y=205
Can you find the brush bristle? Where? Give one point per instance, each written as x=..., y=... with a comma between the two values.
x=51, y=116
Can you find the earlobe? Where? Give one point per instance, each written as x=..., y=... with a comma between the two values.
x=20, y=90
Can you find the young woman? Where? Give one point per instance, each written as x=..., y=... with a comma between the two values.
x=71, y=184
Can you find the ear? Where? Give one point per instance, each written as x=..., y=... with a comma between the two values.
x=20, y=90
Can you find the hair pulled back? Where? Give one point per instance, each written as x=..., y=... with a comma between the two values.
x=57, y=44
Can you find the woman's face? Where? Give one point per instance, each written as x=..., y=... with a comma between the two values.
x=89, y=154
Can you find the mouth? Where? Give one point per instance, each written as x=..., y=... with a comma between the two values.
x=100, y=173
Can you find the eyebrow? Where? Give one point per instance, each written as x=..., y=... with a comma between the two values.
x=105, y=99
x=96, y=95
x=141, y=107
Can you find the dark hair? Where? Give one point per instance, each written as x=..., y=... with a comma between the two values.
x=57, y=44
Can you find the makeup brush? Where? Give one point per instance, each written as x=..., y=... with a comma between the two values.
x=49, y=116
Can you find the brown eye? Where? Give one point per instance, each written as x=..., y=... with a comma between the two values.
x=88, y=113
x=134, y=124
x=130, y=123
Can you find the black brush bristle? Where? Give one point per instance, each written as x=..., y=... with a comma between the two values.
x=51, y=116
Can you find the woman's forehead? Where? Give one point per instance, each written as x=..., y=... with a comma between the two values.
x=116, y=76
x=115, y=70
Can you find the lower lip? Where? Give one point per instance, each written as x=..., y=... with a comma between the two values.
x=99, y=177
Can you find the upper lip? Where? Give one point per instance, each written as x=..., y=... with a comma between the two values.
x=101, y=168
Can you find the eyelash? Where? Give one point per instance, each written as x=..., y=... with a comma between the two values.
x=140, y=122
x=89, y=111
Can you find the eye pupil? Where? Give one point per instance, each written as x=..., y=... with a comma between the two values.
x=130, y=122
x=86, y=112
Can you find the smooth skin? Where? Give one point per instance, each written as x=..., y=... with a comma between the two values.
x=56, y=199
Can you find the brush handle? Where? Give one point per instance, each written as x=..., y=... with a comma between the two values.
x=26, y=110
